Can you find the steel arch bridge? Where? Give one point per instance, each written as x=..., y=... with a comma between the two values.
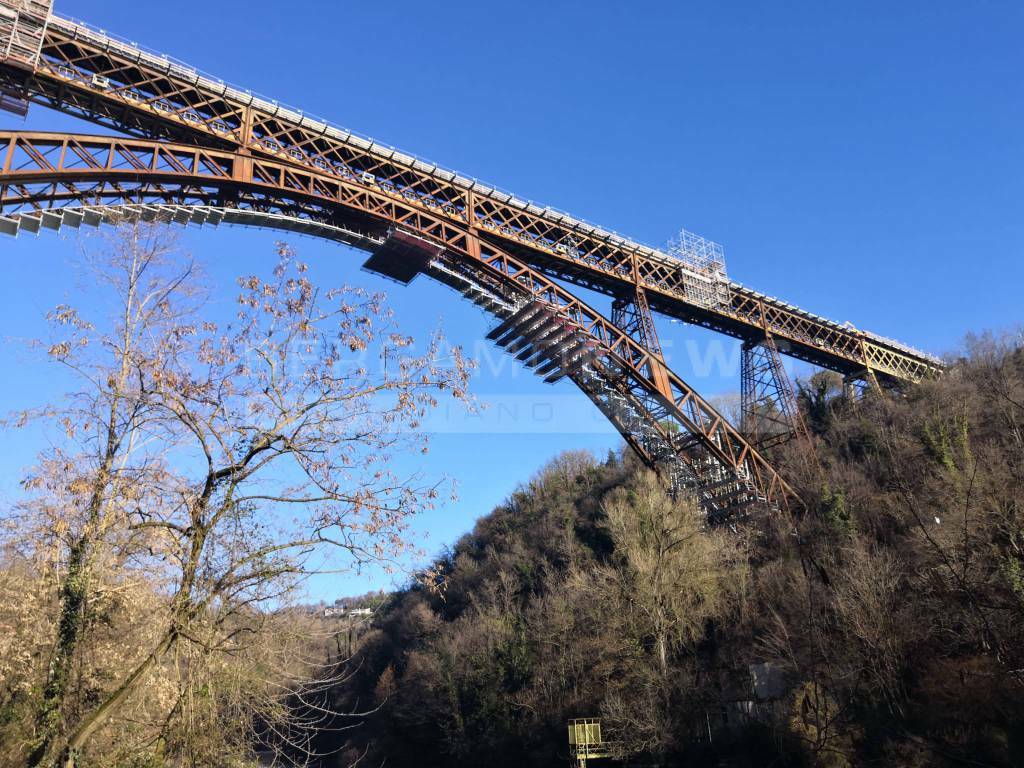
x=191, y=149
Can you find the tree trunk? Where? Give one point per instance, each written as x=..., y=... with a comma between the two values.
x=97, y=717
x=72, y=600
x=73, y=596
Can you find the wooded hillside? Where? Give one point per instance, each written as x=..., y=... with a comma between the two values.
x=884, y=626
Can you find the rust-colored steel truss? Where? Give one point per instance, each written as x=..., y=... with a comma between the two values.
x=633, y=314
x=197, y=150
x=770, y=415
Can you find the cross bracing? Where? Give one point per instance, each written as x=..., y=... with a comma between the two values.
x=191, y=143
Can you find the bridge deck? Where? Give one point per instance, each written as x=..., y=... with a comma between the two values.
x=117, y=83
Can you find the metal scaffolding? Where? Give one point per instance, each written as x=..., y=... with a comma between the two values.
x=704, y=266
x=22, y=28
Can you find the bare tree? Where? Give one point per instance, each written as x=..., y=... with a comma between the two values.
x=671, y=577
x=673, y=570
x=221, y=464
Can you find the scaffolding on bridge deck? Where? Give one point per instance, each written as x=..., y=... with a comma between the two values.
x=22, y=27
x=708, y=283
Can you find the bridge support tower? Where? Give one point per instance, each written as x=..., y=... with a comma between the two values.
x=770, y=415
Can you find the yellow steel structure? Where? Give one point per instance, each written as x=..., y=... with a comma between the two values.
x=585, y=742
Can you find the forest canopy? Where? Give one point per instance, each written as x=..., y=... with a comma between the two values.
x=882, y=625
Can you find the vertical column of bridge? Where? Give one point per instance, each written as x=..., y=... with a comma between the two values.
x=769, y=412
x=632, y=313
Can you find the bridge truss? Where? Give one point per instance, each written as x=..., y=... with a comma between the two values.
x=194, y=150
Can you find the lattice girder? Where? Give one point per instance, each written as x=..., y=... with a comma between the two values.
x=89, y=74
x=209, y=147
x=133, y=170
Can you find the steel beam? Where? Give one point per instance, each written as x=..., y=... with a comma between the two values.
x=93, y=76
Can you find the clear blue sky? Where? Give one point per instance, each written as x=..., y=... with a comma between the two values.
x=863, y=160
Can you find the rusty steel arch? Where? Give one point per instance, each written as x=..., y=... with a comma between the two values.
x=198, y=150
x=46, y=177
